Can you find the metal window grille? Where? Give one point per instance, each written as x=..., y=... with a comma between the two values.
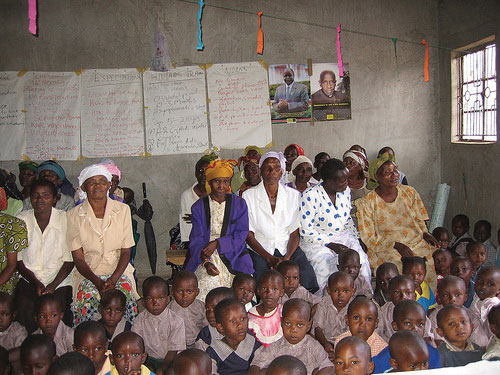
x=477, y=95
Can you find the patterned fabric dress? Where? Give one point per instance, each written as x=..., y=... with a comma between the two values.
x=13, y=239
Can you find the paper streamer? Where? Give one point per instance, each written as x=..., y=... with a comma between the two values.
x=161, y=57
x=260, y=36
x=439, y=210
x=32, y=16
x=339, y=53
x=200, y=12
x=426, y=64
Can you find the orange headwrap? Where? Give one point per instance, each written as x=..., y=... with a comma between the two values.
x=219, y=168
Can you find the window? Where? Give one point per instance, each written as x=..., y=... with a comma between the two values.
x=475, y=94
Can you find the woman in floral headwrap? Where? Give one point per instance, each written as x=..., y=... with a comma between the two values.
x=391, y=219
x=220, y=226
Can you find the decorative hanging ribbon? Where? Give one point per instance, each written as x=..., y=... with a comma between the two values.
x=260, y=36
x=426, y=64
x=339, y=53
x=32, y=16
x=161, y=57
x=200, y=12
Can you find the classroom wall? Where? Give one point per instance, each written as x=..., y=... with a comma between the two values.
x=462, y=23
x=391, y=104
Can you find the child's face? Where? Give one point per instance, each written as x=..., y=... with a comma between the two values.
x=403, y=290
x=481, y=233
x=155, y=299
x=477, y=256
x=36, y=362
x=453, y=293
x=112, y=313
x=210, y=304
x=458, y=228
x=292, y=279
x=487, y=284
x=456, y=327
x=128, y=357
x=443, y=240
x=416, y=272
x=384, y=278
x=185, y=291
x=462, y=269
x=351, y=359
x=48, y=317
x=442, y=262
x=234, y=325
x=6, y=315
x=245, y=291
x=94, y=347
x=351, y=266
x=295, y=325
x=495, y=326
x=414, y=359
x=270, y=290
x=362, y=320
x=341, y=292
x=411, y=321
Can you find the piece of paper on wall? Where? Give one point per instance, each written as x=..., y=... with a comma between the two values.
x=112, y=113
x=52, y=120
x=239, y=109
x=175, y=114
x=161, y=57
x=12, y=141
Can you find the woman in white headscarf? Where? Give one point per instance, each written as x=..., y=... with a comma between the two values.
x=100, y=236
x=302, y=173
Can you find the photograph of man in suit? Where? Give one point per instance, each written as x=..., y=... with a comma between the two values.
x=291, y=97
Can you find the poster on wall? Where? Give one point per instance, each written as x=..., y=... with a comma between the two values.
x=12, y=141
x=289, y=91
x=331, y=94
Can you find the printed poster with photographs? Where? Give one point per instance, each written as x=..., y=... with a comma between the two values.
x=331, y=94
x=290, y=92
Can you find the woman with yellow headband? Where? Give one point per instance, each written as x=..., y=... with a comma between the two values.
x=391, y=219
x=217, y=247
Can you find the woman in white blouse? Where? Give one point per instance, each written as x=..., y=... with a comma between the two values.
x=45, y=265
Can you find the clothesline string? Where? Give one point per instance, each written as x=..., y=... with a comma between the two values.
x=321, y=25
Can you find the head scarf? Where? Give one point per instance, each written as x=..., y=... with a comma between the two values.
x=374, y=167
x=273, y=154
x=219, y=168
x=50, y=165
x=3, y=200
x=111, y=167
x=28, y=164
x=299, y=149
x=208, y=158
x=360, y=158
x=301, y=159
x=91, y=171
x=256, y=148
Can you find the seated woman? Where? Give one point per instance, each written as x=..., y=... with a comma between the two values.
x=387, y=152
x=13, y=239
x=274, y=222
x=356, y=162
x=45, y=265
x=319, y=160
x=292, y=151
x=392, y=219
x=220, y=226
x=326, y=226
x=252, y=175
x=27, y=175
x=302, y=173
x=99, y=235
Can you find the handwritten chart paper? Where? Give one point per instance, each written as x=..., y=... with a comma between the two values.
x=239, y=109
x=176, y=119
x=52, y=115
x=112, y=113
x=12, y=144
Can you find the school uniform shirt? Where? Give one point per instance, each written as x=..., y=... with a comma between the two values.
x=63, y=338
x=482, y=308
x=122, y=326
x=381, y=360
x=13, y=336
x=329, y=319
x=161, y=333
x=491, y=252
x=267, y=328
x=459, y=244
x=363, y=288
x=376, y=343
x=385, y=318
x=144, y=371
x=47, y=251
x=478, y=335
x=272, y=230
x=493, y=349
x=426, y=299
x=206, y=336
x=227, y=361
x=451, y=356
x=308, y=350
x=194, y=318
x=188, y=198
x=301, y=293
